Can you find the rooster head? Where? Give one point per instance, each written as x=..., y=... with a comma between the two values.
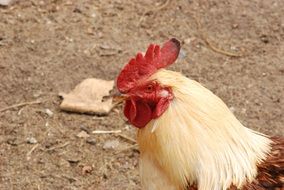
x=147, y=99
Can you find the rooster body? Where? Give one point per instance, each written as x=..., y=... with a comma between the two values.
x=198, y=141
x=187, y=136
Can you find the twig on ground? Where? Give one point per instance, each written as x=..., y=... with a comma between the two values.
x=70, y=178
x=59, y=127
x=57, y=147
x=20, y=105
x=106, y=132
x=162, y=6
x=135, y=147
x=218, y=50
x=31, y=151
x=127, y=138
x=209, y=44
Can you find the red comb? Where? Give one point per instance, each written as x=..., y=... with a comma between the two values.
x=142, y=67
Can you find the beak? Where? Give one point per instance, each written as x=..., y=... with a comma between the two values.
x=118, y=97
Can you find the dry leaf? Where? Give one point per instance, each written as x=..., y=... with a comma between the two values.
x=88, y=97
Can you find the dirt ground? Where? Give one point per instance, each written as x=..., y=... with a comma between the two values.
x=49, y=46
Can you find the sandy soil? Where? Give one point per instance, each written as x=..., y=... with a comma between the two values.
x=47, y=47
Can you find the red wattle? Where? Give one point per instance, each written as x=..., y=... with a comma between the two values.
x=138, y=113
x=161, y=107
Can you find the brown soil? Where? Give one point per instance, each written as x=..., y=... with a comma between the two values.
x=49, y=46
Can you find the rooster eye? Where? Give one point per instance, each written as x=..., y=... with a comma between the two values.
x=149, y=88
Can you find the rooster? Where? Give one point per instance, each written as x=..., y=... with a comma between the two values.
x=188, y=138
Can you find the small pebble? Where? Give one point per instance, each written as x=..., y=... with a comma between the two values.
x=233, y=109
x=264, y=38
x=72, y=157
x=87, y=169
x=48, y=112
x=63, y=163
x=234, y=26
x=127, y=127
x=73, y=160
x=233, y=48
x=93, y=15
x=83, y=134
x=182, y=54
x=5, y=2
x=91, y=141
x=85, y=128
x=113, y=144
x=31, y=140
x=13, y=141
x=37, y=94
x=188, y=40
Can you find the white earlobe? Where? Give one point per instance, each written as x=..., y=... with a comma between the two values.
x=164, y=93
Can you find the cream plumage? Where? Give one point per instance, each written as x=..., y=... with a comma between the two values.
x=188, y=138
x=198, y=140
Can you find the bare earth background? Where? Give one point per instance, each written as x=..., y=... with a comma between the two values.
x=49, y=46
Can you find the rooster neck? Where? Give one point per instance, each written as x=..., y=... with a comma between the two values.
x=199, y=141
